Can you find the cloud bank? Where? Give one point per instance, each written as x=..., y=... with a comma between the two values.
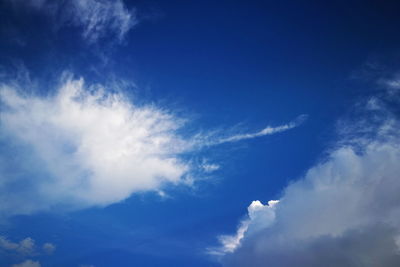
x=344, y=212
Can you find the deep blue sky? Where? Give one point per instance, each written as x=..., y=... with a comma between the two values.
x=220, y=64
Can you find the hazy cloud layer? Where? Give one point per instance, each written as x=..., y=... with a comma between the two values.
x=344, y=212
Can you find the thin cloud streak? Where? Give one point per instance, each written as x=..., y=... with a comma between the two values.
x=264, y=132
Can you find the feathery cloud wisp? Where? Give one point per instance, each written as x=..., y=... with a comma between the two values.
x=96, y=18
x=266, y=131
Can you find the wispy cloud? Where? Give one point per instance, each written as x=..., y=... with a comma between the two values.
x=97, y=19
x=266, y=131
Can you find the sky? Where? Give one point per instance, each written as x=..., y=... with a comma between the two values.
x=199, y=133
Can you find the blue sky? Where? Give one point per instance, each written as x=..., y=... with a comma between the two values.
x=199, y=133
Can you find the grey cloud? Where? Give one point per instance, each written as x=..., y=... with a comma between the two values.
x=343, y=212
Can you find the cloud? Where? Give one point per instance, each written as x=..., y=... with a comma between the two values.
x=98, y=19
x=83, y=147
x=24, y=247
x=27, y=263
x=88, y=145
x=269, y=130
x=49, y=248
x=258, y=215
x=343, y=212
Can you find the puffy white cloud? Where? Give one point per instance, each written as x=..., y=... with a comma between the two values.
x=84, y=147
x=27, y=263
x=344, y=212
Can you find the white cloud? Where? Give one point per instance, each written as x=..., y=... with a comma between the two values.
x=89, y=148
x=27, y=263
x=84, y=146
x=24, y=247
x=100, y=17
x=259, y=215
x=344, y=212
x=266, y=131
x=49, y=248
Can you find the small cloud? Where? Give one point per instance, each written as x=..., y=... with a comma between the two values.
x=209, y=167
x=49, y=248
x=24, y=247
x=27, y=263
x=269, y=130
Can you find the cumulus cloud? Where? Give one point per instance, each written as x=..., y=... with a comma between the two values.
x=93, y=148
x=97, y=18
x=343, y=212
x=27, y=263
